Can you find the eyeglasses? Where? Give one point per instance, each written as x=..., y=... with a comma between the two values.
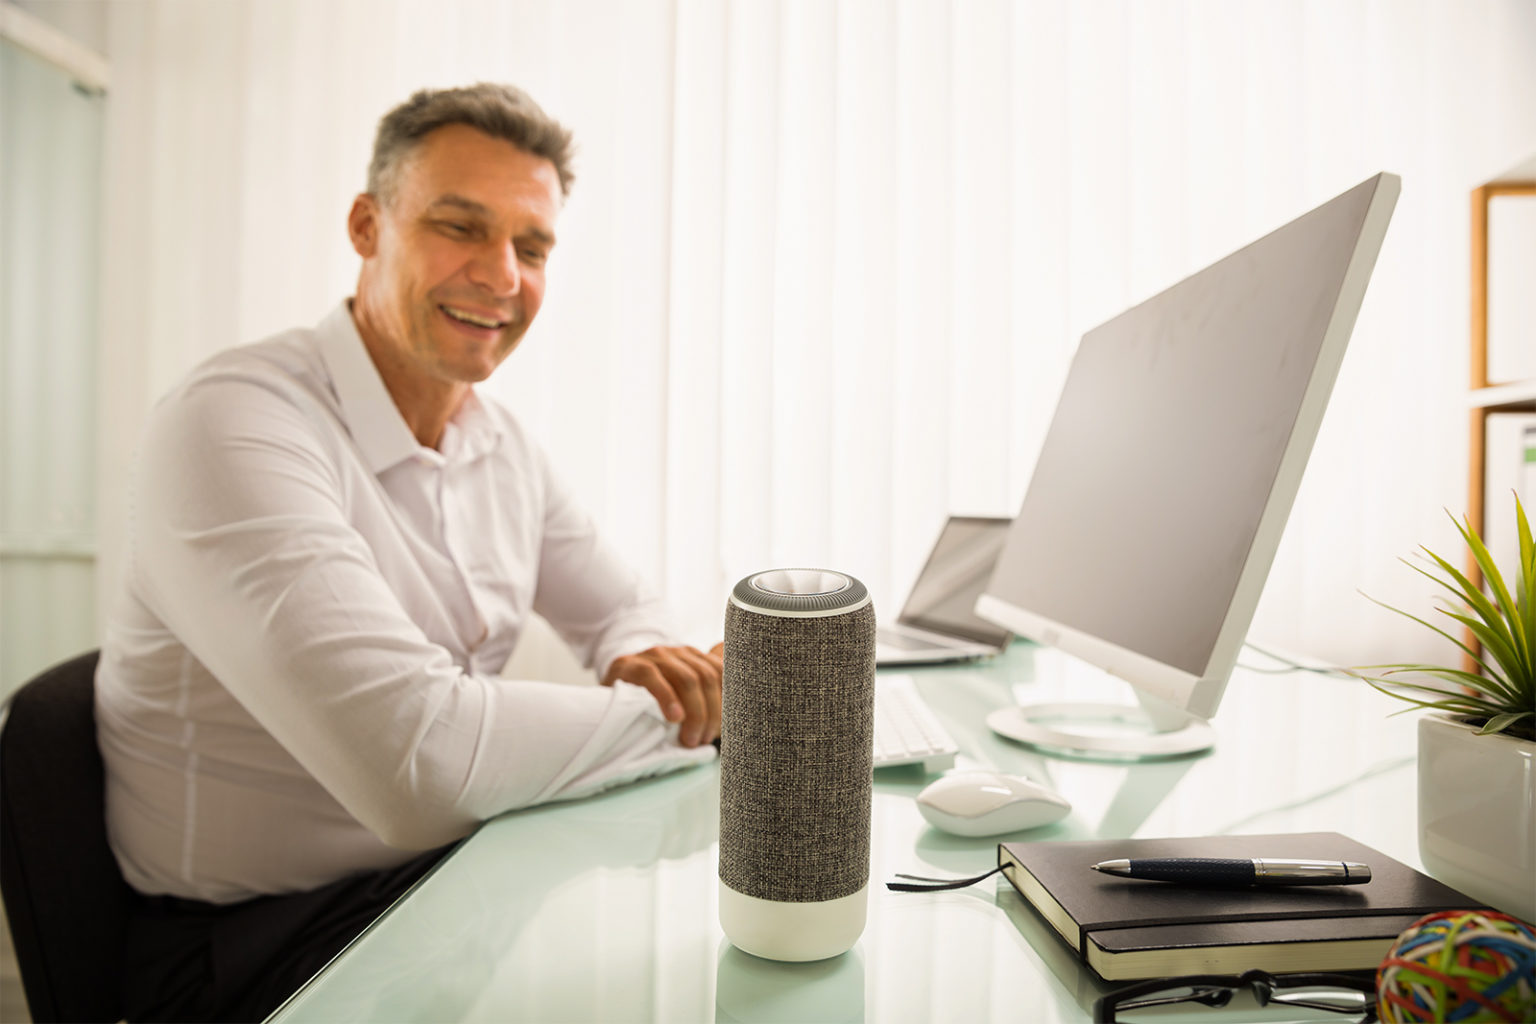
x=1336, y=993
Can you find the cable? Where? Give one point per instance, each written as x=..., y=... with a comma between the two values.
x=1290, y=665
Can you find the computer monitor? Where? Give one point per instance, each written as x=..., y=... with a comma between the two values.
x=1169, y=469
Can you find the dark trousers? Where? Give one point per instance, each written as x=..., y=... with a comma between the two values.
x=192, y=961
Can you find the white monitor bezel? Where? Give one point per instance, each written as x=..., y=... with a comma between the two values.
x=1198, y=694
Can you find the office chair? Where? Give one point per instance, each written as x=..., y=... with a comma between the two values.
x=65, y=898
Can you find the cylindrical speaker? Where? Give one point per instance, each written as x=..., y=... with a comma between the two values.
x=796, y=760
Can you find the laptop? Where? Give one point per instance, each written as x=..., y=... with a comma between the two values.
x=938, y=623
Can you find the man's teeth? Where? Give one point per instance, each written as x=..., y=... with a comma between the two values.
x=470, y=318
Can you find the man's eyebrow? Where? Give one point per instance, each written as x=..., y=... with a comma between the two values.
x=461, y=203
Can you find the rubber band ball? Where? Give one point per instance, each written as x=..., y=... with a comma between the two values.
x=1460, y=965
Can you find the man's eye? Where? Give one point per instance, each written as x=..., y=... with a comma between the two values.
x=535, y=257
x=455, y=228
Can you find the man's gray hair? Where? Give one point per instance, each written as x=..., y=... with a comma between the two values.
x=500, y=111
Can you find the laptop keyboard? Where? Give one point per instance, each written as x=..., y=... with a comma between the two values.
x=906, y=729
x=903, y=642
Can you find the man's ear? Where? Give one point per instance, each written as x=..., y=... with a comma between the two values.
x=363, y=225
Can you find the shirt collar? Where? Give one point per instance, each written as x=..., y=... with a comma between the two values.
x=472, y=432
x=377, y=428
x=371, y=416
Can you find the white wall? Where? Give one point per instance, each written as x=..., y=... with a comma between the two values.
x=824, y=263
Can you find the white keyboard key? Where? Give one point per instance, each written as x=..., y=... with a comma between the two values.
x=906, y=729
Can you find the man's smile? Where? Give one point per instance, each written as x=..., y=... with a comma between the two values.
x=465, y=316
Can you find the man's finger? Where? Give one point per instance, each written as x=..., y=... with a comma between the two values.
x=632, y=668
x=689, y=686
x=709, y=671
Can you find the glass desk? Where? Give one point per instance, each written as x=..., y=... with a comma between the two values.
x=605, y=909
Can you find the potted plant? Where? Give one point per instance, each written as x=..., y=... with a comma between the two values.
x=1477, y=749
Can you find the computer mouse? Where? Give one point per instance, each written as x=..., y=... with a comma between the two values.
x=989, y=804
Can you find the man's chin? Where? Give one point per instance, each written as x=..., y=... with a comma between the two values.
x=473, y=363
x=474, y=371
x=471, y=372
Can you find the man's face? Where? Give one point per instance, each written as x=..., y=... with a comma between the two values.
x=453, y=263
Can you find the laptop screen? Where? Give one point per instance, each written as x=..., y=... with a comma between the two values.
x=943, y=599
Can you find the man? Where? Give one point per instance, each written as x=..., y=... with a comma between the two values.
x=335, y=543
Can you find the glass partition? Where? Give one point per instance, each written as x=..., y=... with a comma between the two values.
x=51, y=137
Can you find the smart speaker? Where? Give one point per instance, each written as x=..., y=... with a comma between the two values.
x=796, y=758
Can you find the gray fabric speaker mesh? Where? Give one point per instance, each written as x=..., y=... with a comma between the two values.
x=796, y=754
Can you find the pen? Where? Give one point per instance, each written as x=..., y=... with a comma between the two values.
x=1225, y=871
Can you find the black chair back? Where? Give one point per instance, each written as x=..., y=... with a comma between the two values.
x=65, y=898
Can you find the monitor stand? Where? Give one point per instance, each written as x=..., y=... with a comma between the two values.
x=1109, y=732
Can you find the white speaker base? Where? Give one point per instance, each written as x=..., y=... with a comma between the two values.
x=795, y=932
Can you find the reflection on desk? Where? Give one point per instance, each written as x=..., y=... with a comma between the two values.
x=604, y=909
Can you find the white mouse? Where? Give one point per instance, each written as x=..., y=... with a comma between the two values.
x=989, y=804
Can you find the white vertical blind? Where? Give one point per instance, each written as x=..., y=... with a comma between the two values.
x=825, y=263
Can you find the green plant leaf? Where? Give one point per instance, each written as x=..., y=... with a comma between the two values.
x=1511, y=620
x=1399, y=686
x=1494, y=689
x=1406, y=690
x=1466, y=594
x=1469, y=595
x=1499, y=723
x=1513, y=648
x=1441, y=701
x=1526, y=579
x=1427, y=625
x=1458, y=676
x=1496, y=642
x=1527, y=599
x=1432, y=628
x=1502, y=625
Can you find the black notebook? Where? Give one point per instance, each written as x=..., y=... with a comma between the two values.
x=1128, y=929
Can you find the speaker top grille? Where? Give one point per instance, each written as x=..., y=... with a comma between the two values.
x=800, y=592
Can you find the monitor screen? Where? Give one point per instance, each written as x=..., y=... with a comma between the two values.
x=1175, y=452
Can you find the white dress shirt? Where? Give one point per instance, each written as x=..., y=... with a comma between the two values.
x=300, y=678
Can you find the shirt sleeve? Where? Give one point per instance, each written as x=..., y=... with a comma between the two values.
x=243, y=548
x=591, y=597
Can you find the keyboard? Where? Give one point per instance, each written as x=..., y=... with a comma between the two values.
x=906, y=729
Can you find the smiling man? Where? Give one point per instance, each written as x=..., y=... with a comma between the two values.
x=335, y=545
x=454, y=247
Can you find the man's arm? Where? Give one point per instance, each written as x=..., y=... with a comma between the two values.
x=685, y=682
x=617, y=625
x=248, y=555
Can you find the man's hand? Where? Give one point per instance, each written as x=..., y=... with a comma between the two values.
x=685, y=682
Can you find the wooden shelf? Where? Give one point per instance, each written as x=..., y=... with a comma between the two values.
x=1515, y=396
x=1487, y=398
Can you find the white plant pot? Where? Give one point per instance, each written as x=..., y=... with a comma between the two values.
x=1477, y=813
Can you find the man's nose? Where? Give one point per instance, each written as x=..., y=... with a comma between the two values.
x=498, y=270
